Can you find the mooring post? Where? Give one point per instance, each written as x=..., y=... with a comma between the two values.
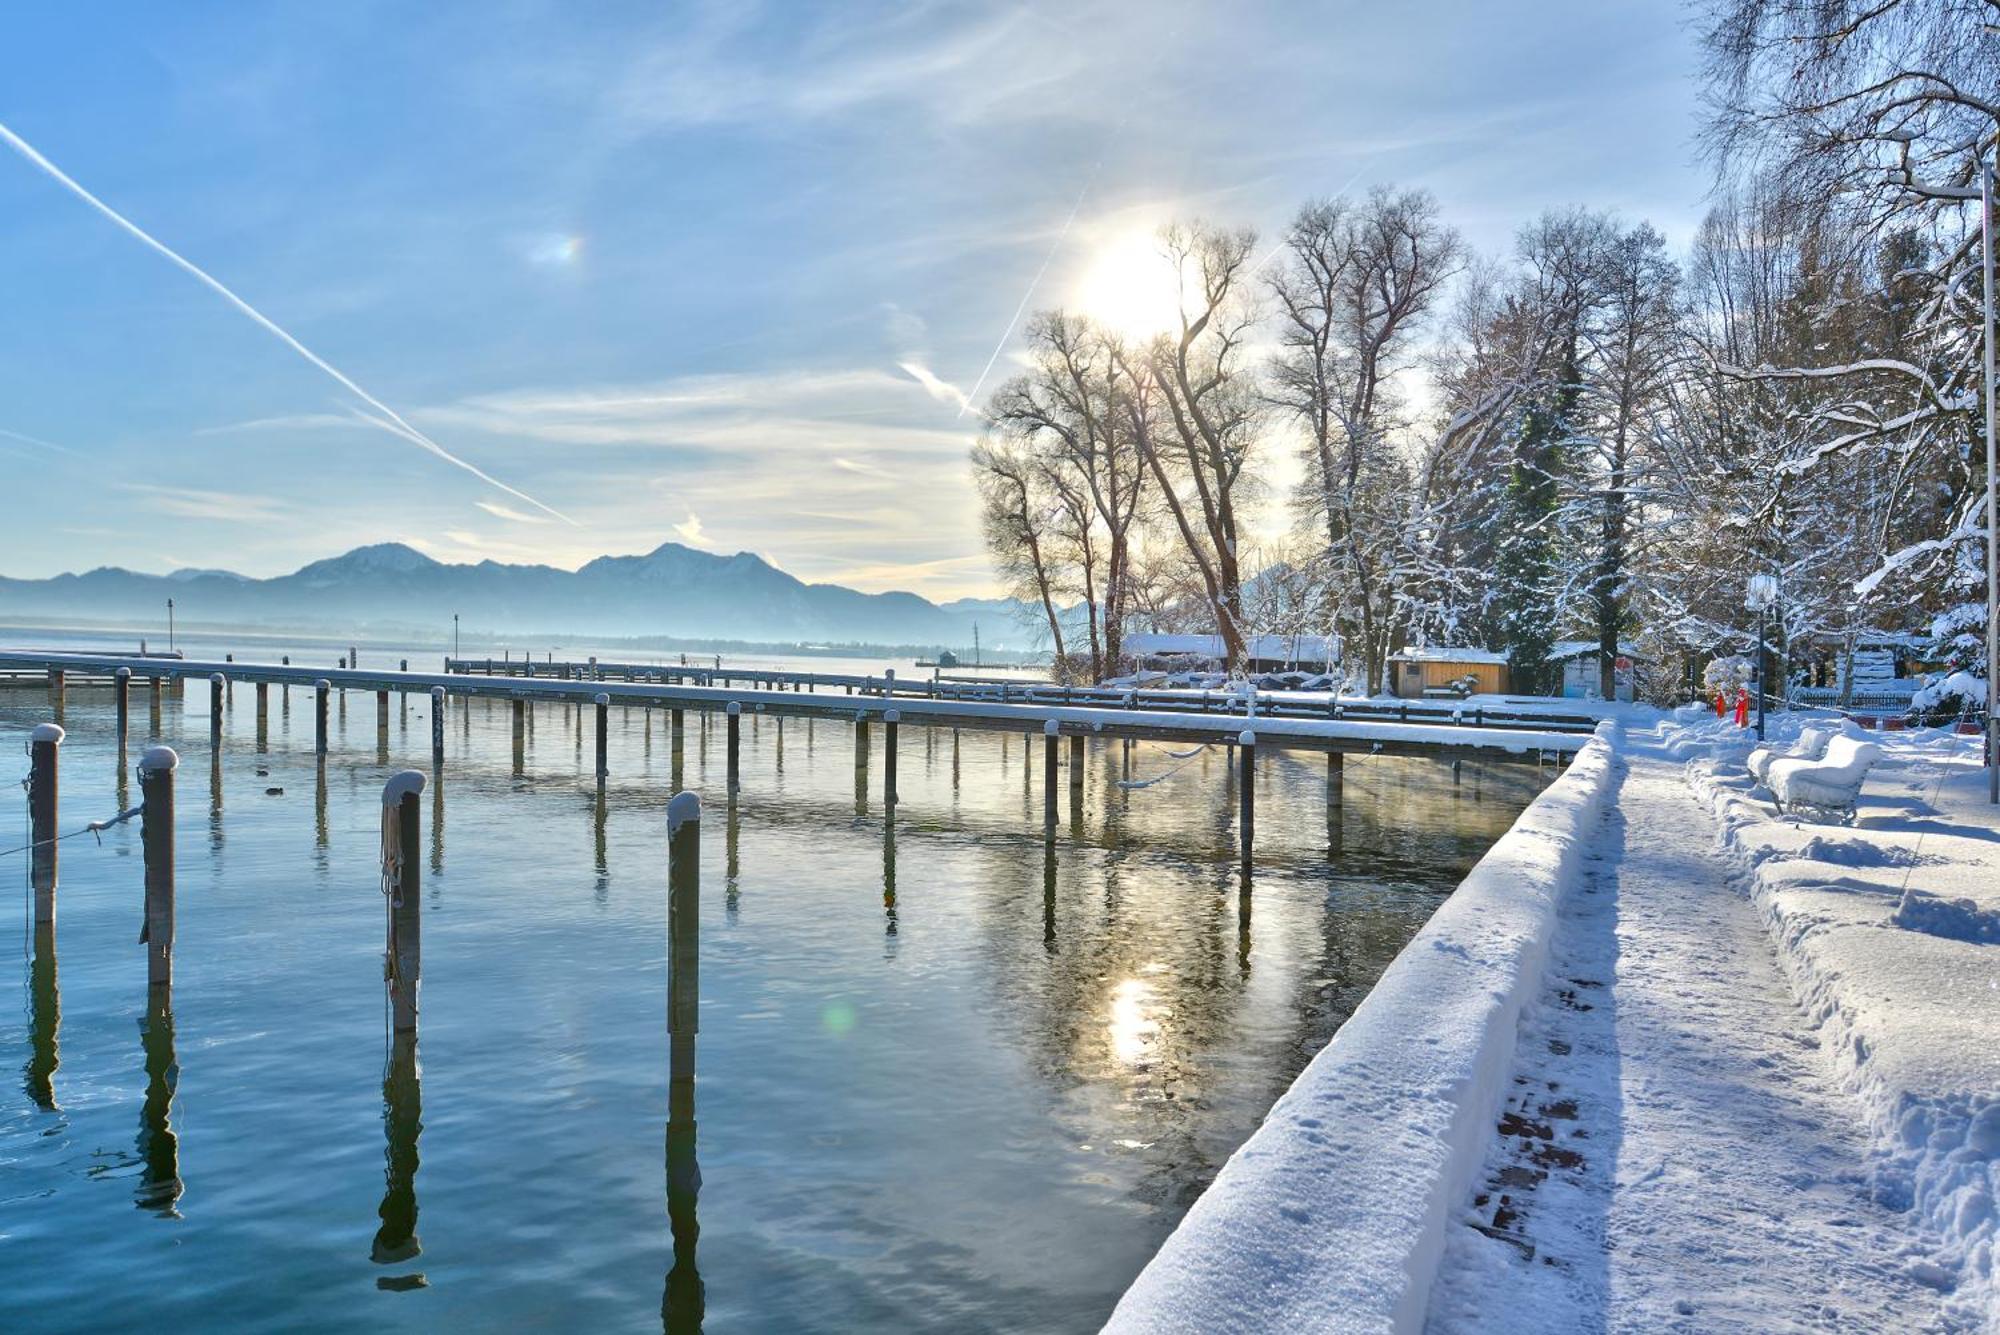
x=402, y=882
x=603, y=736
x=381, y=716
x=1246, y=817
x=216, y=685
x=520, y=722
x=156, y=837
x=121, y=686
x=683, y=945
x=57, y=691
x=1336, y=777
x=437, y=728
x=43, y=744
x=890, y=720
x=154, y=707
x=320, y=689
x=1050, y=732
x=861, y=743
x=735, y=713
x=263, y=713
x=1076, y=774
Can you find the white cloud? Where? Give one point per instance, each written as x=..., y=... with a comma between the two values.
x=500, y=511
x=225, y=506
x=691, y=532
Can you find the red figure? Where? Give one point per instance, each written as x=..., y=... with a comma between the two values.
x=1743, y=707
x=1721, y=703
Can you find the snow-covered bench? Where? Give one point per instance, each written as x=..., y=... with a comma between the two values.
x=1811, y=745
x=1830, y=784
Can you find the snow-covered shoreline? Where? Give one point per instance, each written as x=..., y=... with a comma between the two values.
x=1887, y=931
x=1332, y=1215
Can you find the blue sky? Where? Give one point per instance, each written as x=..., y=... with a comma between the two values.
x=711, y=273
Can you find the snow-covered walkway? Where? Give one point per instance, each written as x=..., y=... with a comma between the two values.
x=1676, y=1153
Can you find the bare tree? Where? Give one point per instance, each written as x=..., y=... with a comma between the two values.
x=1201, y=434
x=1016, y=518
x=1355, y=286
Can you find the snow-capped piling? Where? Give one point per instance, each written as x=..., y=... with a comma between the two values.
x=217, y=683
x=889, y=720
x=402, y=883
x=603, y=736
x=683, y=944
x=121, y=688
x=320, y=689
x=735, y=713
x=1050, y=732
x=1246, y=795
x=156, y=838
x=437, y=728
x=43, y=744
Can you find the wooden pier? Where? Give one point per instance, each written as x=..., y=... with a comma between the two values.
x=1184, y=718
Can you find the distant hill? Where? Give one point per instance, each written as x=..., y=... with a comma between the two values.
x=670, y=591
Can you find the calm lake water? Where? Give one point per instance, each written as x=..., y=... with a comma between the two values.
x=951, y=1077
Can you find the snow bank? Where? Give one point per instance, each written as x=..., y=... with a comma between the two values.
x=1332, y=1216
x=1890, y=934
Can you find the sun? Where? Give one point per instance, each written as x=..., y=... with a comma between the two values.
x=1129, y=287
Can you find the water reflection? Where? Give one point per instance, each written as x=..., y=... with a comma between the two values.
x=159, y=1189
x=601, y=857
x=437, y=828
x=45, y=1018
x=732, y=867
x=396, y=1240
x=889, y=874
x=684, y=1300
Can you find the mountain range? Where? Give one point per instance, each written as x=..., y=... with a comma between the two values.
x=672, y=591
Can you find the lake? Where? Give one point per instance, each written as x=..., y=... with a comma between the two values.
x=952, y=1076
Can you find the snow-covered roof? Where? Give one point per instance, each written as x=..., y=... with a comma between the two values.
x=1296, y=648
x=1573, y=648
x=1446, y=654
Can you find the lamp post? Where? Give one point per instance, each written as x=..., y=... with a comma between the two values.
x=1761, y=594
x=1986, y=191
x=170, y=625
x=454, y=636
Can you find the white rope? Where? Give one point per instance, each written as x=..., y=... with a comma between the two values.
x=392, y=881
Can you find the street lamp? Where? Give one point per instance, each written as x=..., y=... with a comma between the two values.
x=170, y=625
x=1986, y=191
x=1759, y=597
x=454, y=636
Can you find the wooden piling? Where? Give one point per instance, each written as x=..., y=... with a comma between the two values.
x=156, y=837
x=320, y=689
x=153, y=707
x=217, y=683
x=121, y=686
x=734, y=711
x=263, y=713
x=1076, y=765
x=861, y=743
x=1336, y=777
x=683, y=944
x=44, y=744
x=402, y=882
x=58, y=692
x=437, y=728
x=381, y=716
x=890, y=720
x=1050, y=732
x=1246, y=816
x=603, y=736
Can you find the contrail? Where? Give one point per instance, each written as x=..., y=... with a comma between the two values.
x=30, y=440
x=1029, y=295
x=401, y=427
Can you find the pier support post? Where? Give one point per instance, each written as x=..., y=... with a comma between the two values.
x=153, y=707
x=43, y=745
x=1246, y=791
x=156, y=836
x=402, y=882
x=437, y=728
x=1050, y=732
x=889, y=720
x=263, y=713
x=58, y=692
x=860, y=744
x=217, y=684
x=320, y=689
x=382, y=716
x=121, y=686
x=603, y=736
x=683, y=947
x=677, y=729
x=735, y=713
x=1336, y=777
x=1076, y=774
x=520, y=722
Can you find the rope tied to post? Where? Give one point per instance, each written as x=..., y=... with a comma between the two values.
x=96, y=827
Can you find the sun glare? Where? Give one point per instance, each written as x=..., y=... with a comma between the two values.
x=1129, y=287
